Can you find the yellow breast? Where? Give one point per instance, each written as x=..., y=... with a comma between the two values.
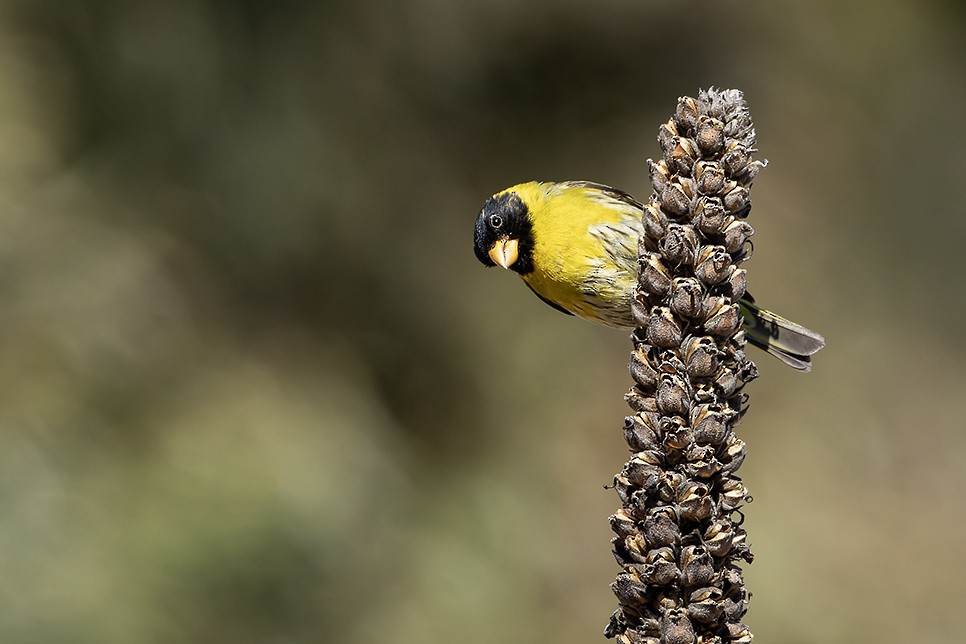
x=584, y=249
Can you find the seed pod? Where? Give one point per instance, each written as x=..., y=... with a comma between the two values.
x=676, y=628
x=710, y=215
x=717, y=537
x=700, y=356
x=686, y=297
x=679, y=244
x=710, y=135
x=642, y=369
x=661, y=528
x=723, y=320
x=736, y=234
x=686, y=114
x=663, y=329
x=737, y=201
x=712, y=264
x=709, y=176
x=654, y=221
x=704, y=605
x=654, y=276
x=659, y=174
x=697, y=568
x=675, y=199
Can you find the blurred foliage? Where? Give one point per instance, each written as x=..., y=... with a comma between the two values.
x=256, y=387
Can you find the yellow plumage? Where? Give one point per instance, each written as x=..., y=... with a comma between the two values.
x=575, y=245
x=585, y=242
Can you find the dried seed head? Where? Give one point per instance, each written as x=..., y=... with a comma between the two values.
x=677, y=540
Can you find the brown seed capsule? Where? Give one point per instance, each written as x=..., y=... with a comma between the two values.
x=661, y=528
x=723, y=320
x=736, y=284
x=676, y=434
x=700, y=356
x=654, y=221
x=697, y=567
x=710, y=135
x=639, y=400
x=642, y=368
x=676, y=628
x=686, y=113
x=636, y=547
x=752, y=170
x=709, y=425
x=710, y=215
x=629, y=591
x=733, y=455
x=709, y=177
x=659, y=174
x=663, y=329
x=739, y=633
x=737, y=201
x=735, y=159
x=694, y=502
x=667, y=136
x=686, y=297
x=674, y=199
x=736, y=234
x=654, y=277
x=623, y=524
x=679, y=244
x=717, y=537
x=640, y=474
x=661, y=568
x=712, y=264
x=704, y=605
x=732, y=494
x=681, y=159
x=667, y=487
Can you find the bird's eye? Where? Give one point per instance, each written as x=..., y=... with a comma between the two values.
x=496, y=221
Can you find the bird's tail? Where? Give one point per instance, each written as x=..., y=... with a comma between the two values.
x=787, y=341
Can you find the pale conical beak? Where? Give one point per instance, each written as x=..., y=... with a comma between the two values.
x=504, y=252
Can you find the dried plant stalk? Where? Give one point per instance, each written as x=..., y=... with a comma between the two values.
x=678, y=541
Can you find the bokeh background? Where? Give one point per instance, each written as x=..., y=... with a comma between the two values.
x=254, y=386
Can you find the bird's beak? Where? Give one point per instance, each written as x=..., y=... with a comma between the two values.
x=504, y=252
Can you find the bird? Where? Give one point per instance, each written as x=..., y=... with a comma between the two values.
x=575, y=245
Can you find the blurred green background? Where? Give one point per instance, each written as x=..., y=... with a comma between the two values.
x=256, y=387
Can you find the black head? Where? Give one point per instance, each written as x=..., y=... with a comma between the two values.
x=504, y=217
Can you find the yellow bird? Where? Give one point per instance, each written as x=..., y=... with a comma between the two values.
x=575, y=245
